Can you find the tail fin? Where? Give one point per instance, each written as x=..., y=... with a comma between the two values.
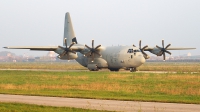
x=69, y=31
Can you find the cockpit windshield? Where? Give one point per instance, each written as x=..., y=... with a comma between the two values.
x=133, y=51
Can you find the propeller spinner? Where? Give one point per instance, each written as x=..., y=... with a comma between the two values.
x=67, y=50
x=163, y=50
x=92, y=50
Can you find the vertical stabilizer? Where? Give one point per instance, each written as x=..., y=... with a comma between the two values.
x=68, y=30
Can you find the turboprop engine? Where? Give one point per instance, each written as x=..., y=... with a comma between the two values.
x=66, y=52
x=146, y=56
x=69, y=56
x=159, y=51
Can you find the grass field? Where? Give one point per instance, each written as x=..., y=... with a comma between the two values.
x=164, y=87
x=42, y=65
x=148, y=66
x=18, y=107
x=171, y=66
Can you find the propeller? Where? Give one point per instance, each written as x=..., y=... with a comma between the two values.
x=92, y=50
x=142, y=49
x=163, y=50
x=66, y=49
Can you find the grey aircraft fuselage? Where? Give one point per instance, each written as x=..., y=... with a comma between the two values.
x=114, y=58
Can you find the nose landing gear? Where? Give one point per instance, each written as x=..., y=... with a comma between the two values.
x=133, y=69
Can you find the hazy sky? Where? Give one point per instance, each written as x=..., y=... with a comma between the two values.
x=108, y=22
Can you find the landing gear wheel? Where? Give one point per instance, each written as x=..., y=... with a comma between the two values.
x=113, y=69
x=94, y=69
x=132, y=69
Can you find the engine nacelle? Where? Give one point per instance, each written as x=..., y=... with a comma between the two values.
x=155, y=51
x=70, y=56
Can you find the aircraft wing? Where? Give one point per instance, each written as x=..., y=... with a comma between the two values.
x=179, y=48
x=169, y=48
x=44, y=48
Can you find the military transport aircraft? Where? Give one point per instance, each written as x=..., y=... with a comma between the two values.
x=99, y=57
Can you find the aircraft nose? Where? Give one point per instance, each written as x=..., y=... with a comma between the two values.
x=141, y=60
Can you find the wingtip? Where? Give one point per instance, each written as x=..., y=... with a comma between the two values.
x=5, y=47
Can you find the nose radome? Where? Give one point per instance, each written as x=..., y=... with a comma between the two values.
x=140, y=60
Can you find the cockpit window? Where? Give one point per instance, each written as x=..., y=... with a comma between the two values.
x=132, y=51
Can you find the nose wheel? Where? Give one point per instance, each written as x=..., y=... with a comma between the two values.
x=133, y=69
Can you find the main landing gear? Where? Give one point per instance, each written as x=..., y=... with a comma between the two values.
x=133, y=69
x=114, y=69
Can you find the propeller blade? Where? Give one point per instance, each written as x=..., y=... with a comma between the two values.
x=88, y=47
x=92, y=51
x=98, y=47
x=144, y=53
x=168, y=52
x=67, y=53
x=73, y=52
x=140, y=44
x=163, y=43
x=66, y=42
x=88, y=54
x=160, y=53
x=97, y=53
x=63, y=54
x=144, y=47
x=92, y=57
x=61, y=47
x=71, y=45
x=163, y=50
x=164, y=56
x=167, y=46
x=134, y=45
x=93, y=44
x=158, y=47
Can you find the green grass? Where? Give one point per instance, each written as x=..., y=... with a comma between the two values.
x=165, y=87
x=42, y=65
x=171, y=66
x=148, y=66
x=19, y=107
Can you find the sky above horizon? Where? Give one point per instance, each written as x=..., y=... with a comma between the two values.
x=108, y=22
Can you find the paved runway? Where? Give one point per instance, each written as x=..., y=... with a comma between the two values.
x=111, y=105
